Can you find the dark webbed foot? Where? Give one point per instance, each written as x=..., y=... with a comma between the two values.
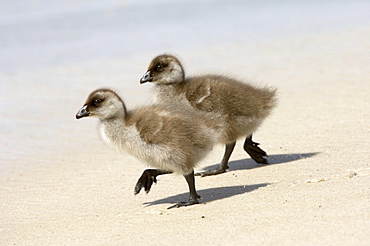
x=254, y=151
x=193, y=197
x=192, y=201
x=184, y=204
x=147, y=179
x=216, y=171
x=223, y=165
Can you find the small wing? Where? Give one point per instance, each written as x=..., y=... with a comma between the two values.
x=150, y=129
x=200, y=97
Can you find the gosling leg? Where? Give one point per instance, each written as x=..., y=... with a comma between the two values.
x=193, y=197
x=223, y=165
x=147, y=178
x=254, y=151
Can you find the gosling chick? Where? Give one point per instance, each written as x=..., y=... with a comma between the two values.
x=165, y=138
x=240, y=107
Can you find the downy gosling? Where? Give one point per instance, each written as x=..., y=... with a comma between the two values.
x=240, y=107
x=170, y=140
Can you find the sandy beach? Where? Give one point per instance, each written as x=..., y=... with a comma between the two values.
x=61, y=185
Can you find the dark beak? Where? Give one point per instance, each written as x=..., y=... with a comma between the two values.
x=82, y=112
x=146, y=78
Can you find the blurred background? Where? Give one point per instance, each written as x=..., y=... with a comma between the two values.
x=54, y=53
x=42, y=33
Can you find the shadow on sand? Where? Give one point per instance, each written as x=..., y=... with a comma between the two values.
x=209, y=195
x=245, y=164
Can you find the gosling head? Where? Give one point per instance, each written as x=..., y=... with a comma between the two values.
x=164, y=69
x=103, y=104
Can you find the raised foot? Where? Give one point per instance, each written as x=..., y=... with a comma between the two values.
x=183, y=204
x=255, y=152
x=146, y=181
x=211, y=172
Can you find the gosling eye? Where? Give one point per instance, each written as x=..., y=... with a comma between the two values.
x=159, y=68
x=96, y=102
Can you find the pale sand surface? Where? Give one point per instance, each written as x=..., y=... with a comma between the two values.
x=68, y=188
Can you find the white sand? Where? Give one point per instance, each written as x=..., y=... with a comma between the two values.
x=68, y=188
